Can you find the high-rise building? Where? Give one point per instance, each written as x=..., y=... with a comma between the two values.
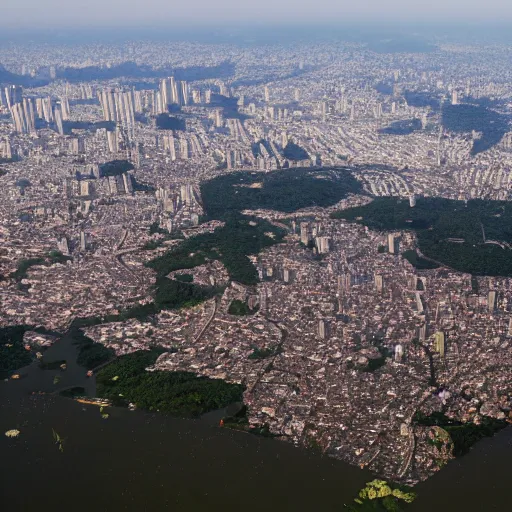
x=83, y=241
x=223, y=89
x=491, y=301
x=113, y=141
x=419, y=303
x=399, y=353
x=11, y=95
x=344, y=282
x=324, y=108
x=169, y=146
x=62, y=246
x=184, y=148
x=393, y=244
x=127, y=182
x=23, y=116
x=196, y=96
x=58, y=120
x=77, y=146
x=304, y=233
x=218, y=118
x=85, y=188
x=284, y=139
x=187, y=194
x=5, y=149
x=379, y=283
x=323, y=244
x=352, y=112
x=323, y=329
x=184, y=93
x=118, y=106
x=44, y=109
x=64, y=103
x=439, y=343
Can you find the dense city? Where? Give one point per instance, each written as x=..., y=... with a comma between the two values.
x=342, y=342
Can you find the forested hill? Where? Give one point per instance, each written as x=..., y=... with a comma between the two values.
x=473, y=236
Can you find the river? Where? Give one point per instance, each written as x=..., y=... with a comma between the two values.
x=150, y=462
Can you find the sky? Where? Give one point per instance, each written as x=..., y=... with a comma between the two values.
x=96, y=13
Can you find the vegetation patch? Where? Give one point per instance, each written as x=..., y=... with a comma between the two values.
x=139, y=311
x=173, y=294
x=240, y=308
x=473, y=237
x=285, y=191
x=263, y=353
x=115, y=167
x=463, y=435
x=379, y=495
x=417, y=261
x=184, y=278
x=91, y=354
x=58, y=257
x=224, y=197
x=232, y=243
x=182, y=393
x=24, y=266
x=405, y=127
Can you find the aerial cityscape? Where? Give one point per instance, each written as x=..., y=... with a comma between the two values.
x=315, y=231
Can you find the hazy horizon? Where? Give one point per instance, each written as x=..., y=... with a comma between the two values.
x=28, y=14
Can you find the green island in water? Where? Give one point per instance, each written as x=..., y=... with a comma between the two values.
x=379, y=495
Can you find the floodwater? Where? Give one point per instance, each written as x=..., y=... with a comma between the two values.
x=150, y=462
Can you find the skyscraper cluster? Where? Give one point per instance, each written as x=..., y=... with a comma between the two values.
x=44, y=109
x=182, y=147
x=23, y=116
x=172, y=92
x=120, y=107
x=11, y=95
x=85, y=92
x=237, y=130
x=24, y=111
x=113, y=141
x=173, y=200
x=59, y=119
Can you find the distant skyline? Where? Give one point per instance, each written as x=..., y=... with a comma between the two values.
x=101, y=13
